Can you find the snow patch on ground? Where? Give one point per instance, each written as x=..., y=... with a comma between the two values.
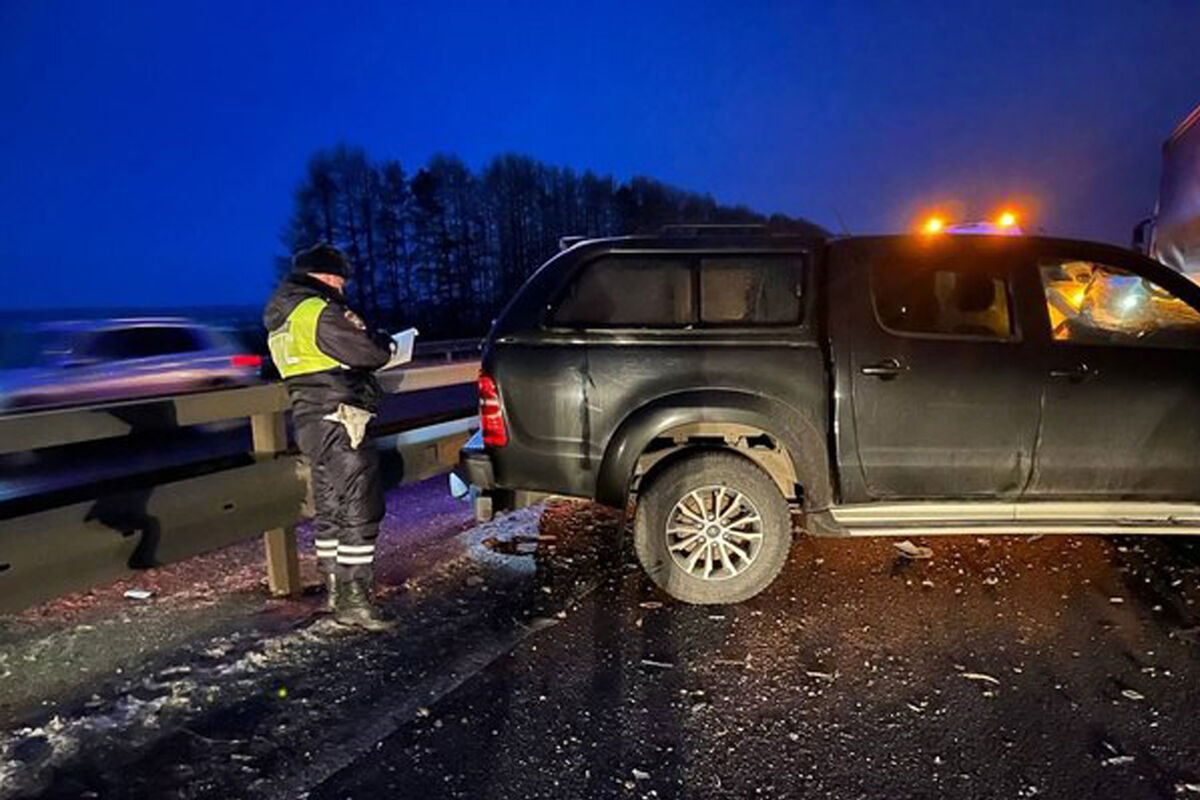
x=281, y=649
x=58, y=739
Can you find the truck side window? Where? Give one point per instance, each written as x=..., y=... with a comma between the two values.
x=629, y=292
x=1092, y=303
x=941, y=302
x=750, y=290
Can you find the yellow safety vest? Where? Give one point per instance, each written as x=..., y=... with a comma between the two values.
x=294, y=343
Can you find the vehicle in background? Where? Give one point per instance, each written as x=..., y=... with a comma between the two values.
x=69, y=363
x=1172, y=235
x=880, y=386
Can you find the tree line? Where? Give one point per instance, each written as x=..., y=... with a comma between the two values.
x=444, y=249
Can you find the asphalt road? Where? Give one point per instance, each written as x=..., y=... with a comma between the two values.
x=549, y=667
x=1000, y=668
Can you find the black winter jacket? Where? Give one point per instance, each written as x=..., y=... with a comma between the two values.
x=341, y=335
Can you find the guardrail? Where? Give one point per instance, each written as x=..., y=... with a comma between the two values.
x=51, y=552
x=447, y=349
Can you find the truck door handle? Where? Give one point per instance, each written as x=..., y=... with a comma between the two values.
x=888, y=368
x=1075, y=374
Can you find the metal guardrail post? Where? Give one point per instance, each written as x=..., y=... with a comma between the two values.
x=269, y=433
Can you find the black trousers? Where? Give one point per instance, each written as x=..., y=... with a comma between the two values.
x=348, y=495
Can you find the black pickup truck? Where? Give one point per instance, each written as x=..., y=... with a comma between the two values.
x=897, y=385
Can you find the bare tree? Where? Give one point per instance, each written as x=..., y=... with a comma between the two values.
x=445, y=249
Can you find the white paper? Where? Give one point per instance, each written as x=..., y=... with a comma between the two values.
x=402, y=352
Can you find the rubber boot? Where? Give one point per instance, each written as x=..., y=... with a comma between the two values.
x=355, y=609
x=330, y=606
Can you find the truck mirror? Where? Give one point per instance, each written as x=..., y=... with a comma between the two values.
x=1143, y=233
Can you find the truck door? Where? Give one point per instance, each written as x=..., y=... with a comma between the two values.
x=945, y=388
x=1123, y=377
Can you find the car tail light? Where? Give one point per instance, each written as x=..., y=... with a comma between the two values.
x=491, y=414
x=246, y=360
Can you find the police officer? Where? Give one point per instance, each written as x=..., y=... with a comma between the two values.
x=327, y=357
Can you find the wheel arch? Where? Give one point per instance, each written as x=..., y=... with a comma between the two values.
x=709, y=412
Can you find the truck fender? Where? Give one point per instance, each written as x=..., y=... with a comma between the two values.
x=792, y=428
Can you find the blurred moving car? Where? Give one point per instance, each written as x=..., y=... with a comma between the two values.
x=68, y=363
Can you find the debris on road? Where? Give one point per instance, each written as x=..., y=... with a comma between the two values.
x=648, y=662
x=1130, y=694
x=172, y=673
x=825, y=676
x=640, y=775
x=514, y=546
x=1191, y=634
x=650, y=604
x=1116, y=601
x=1115, y=757
x=139, y=594
x=733, y=662
x=980, y=676
x=914, y=551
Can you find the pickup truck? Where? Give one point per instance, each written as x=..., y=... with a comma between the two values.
x=728, y=385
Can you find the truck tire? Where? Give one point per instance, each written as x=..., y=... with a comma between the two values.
x=712, y=528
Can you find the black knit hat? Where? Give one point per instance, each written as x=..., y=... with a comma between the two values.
x=321, y=257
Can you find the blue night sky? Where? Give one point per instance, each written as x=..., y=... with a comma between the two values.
x=150, y=149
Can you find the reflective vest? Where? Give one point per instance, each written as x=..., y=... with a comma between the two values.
x=294, y=343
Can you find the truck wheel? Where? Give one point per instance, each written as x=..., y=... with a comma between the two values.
x=712, y=528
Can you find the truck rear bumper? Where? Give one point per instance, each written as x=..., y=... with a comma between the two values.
x=475, y=464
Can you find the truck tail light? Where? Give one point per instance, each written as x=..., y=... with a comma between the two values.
x=491, y=413
x=246, y=360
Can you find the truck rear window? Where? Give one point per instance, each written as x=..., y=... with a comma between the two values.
x=629, y=292
x=674, y=292
x=750, y=290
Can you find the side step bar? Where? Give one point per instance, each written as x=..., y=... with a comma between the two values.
x=1025, y=530
x=1045, y=517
